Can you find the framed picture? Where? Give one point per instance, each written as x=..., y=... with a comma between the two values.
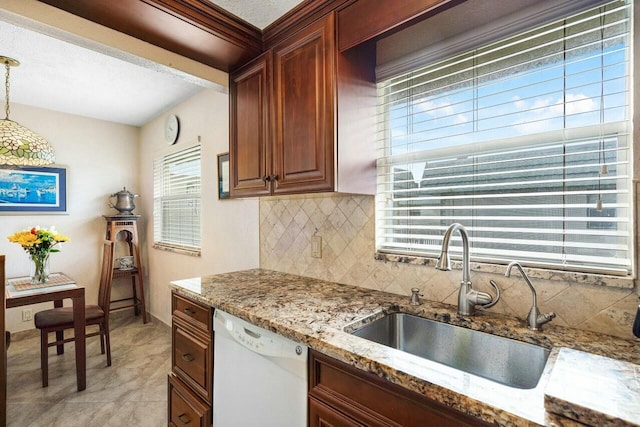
x=33, y=189
x=223, y=176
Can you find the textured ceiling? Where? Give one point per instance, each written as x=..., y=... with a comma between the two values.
x=260, y=13
x=62, y=72
x=62, y=76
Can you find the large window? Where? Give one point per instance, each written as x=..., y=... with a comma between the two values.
x=177, y=200
x=526, y=142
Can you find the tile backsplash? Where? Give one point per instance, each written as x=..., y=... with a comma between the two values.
x=346, y=225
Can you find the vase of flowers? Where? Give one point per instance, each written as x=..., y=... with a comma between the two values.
x=39, y=268
x=39, y=243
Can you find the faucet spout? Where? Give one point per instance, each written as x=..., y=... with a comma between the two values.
x=468, y=297
x=525, y=277
x=444, y=262
x=535, y=320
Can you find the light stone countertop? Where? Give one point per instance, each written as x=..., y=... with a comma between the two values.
x=609, y=389
x=320, y=314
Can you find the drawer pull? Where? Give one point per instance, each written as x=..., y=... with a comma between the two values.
x=187, y=357
x=184, y=419
x=190, y=311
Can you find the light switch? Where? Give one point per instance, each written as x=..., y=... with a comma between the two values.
x=316, y=247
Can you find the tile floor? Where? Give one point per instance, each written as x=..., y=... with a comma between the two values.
x=132, y=392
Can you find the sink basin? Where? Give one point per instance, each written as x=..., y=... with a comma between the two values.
x=506, y=361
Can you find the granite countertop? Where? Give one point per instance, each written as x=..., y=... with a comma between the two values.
x=320, y=314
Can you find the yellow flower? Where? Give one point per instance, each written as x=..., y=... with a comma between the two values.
x=38, y=241
x=60, y=238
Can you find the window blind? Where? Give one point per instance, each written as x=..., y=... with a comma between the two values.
x=525, y=141
x=177, y=199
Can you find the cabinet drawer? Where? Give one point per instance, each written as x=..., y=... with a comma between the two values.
x=321, y=415
x=185, y=408
x=199, y=315
x=371, y=400
x=192, y=358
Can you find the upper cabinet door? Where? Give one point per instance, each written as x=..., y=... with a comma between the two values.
x=304, y=93
x=250, y=141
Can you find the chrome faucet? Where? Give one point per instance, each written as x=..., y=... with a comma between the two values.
x=535, y=320
x=468, y=298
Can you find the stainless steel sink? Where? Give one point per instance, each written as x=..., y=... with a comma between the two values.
x=506, y=361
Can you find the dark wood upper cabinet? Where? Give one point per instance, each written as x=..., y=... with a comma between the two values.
x=282, y=112
x=304, y=93
x=320, y=112
x=250, y=128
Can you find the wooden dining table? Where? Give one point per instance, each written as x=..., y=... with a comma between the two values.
x=65, y=288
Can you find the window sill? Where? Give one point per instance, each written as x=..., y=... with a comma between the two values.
x=537, y=273
x=177, y=249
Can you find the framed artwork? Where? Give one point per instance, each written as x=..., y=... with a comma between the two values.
x=33, y=189
x=223, y=176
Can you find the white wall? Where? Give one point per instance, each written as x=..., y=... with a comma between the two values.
x=229, y=227
x=101, y=157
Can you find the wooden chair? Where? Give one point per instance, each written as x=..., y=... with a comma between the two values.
x=61, y=318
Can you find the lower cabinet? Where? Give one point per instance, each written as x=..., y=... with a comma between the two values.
x=191, y=377
x=341, y=395
x=185, y=408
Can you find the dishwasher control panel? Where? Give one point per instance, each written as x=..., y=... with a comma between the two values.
x=258, y=339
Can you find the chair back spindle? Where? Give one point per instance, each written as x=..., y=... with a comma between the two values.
x=106, y=275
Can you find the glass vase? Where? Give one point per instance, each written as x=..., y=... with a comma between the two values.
x=39, y=271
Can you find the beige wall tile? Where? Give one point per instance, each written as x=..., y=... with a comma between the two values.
x=346, y=224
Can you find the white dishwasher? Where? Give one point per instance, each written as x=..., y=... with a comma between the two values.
x=259, y=377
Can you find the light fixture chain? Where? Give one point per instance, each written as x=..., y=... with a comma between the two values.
x=6, y=86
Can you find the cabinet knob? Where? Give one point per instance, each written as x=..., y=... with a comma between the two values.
x=266, y=178
x=274, y=177
x=187, y=357
x=190, y=311
x=184, y=419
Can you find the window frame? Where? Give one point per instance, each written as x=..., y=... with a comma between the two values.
x=192, y=152
x=411, y=256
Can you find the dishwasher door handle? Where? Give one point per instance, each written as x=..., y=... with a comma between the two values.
x=251, y=333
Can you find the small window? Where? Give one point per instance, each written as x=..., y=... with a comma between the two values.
x=177, y=200
x=526, y=142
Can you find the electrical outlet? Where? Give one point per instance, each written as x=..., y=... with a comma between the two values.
x=27, y=314
x=316, y=247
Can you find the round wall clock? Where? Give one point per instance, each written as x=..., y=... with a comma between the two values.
x=171, y=129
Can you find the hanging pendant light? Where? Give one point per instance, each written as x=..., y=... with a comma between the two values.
x=18, y=145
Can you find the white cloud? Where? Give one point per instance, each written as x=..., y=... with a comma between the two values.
x=435, y=108
x=519, y=103
x=579, y=104
x=460, y=119
x=539, y=104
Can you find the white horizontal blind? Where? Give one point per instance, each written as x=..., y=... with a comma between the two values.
x=517, y=141
x=177, y=199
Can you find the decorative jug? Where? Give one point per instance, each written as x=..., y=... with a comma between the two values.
x=124, y=201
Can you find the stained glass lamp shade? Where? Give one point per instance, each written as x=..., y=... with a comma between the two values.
x=19, y=145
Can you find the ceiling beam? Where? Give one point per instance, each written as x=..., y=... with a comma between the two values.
x=196, y=29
